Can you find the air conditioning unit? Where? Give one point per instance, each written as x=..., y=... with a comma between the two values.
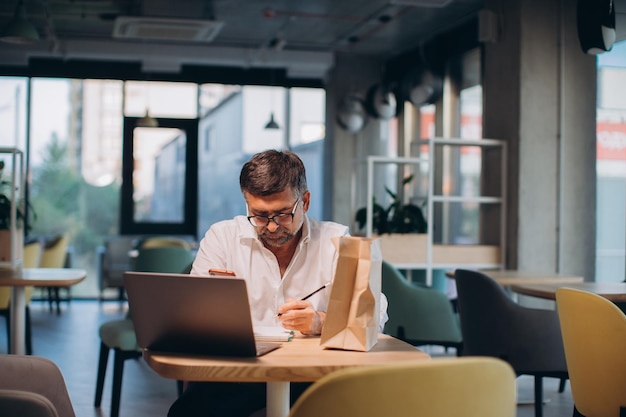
x=157, y=28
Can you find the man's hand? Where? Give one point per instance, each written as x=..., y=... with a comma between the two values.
x=300, y=315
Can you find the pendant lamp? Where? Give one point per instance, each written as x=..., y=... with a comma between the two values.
x=271, y=124
x=147, y=121
x=19, y=30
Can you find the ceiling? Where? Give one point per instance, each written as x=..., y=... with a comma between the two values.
x=300, y=36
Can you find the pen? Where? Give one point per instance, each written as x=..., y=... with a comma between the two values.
x=306, y=297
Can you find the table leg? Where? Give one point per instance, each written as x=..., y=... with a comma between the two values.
x=18, y=320
x=278, y=399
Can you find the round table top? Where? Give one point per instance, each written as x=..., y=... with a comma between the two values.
x=301, y=360
x=48, y=277
x=613, y=291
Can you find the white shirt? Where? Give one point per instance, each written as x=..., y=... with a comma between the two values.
x=234, y=245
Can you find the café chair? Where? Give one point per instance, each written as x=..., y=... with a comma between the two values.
x=112, y=260
x=163, y=241
x=31, y=257
x=419, y=315
x=443, y=387
x=119, y=335
x=32, y=386
x=55, y=256
x=492, y=324
x=594, y=337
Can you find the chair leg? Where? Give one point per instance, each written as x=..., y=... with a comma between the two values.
x=29, y=337
x=577, y=413
x=118, y=370
x=57, y=299
x=538, y=396
x=8, y=317
x=562, y=383
x=50, y=298
x=102, y=368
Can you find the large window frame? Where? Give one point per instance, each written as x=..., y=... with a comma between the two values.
x=128, y=224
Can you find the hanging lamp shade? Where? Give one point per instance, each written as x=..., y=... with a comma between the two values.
x=271, y=124
x=19, y=30
x=596, y=25
x=147, y=121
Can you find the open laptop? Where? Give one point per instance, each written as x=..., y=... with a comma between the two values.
x=179, y=313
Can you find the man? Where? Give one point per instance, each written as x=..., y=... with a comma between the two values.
x=283, y=255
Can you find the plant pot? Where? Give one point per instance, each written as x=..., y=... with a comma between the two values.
x=6, y=257
x=399, y=248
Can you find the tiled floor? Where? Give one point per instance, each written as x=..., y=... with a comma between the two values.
x=71, y=340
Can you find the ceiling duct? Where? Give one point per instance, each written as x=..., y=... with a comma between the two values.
x=157, y=28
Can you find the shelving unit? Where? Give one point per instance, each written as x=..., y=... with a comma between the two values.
x=419, y=251
x=13, y=257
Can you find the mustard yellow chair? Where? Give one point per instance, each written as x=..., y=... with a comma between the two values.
x=31, y=257
x=55, y=256
x=594, y=338
x=445, y=387
x=164, y=241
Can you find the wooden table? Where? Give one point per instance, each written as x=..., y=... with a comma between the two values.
x=18, y=279
x=512, y=277
x=613, y=291
x=301, y=360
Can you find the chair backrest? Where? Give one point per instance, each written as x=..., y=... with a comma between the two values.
x=169, y=259
x=32, y=254
x=55, y=253
x=418, y=315
x=163, y=241
x=492, y=324
x=37, y=384
x=445, y=387
x=594, y=337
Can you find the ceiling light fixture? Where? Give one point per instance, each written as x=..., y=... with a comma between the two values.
x=271, y=124
x=147, y=121
x=19, y=30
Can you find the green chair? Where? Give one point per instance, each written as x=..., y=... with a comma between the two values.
x=419, y=315
x=119, y=335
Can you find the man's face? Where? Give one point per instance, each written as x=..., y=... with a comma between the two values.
x=278, y=217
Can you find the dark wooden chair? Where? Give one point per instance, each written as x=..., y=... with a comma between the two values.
x=492, y=324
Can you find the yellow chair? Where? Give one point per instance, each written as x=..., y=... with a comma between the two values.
x=55, y=256
x=164, y=241
x=594, y=337
x=446, y=387
x=31, y=257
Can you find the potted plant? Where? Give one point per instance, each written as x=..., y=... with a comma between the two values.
x=5, y=221
x=396, y=218
x=401, y=228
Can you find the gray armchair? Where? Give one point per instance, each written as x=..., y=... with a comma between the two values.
x=32, y=386
x=113, y=260
x=492, y=324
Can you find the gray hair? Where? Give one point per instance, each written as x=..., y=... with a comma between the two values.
x=272, y=172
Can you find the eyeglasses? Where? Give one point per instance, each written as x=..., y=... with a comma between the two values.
x=281, y=219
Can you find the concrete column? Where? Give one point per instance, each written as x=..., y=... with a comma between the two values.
x=540, y=95
x=343, y=150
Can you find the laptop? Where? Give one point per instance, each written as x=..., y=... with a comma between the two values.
x=179, y=313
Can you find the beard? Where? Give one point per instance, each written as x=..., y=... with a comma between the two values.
x=277, y=238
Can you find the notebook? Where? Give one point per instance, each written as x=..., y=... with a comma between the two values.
x=179, y=313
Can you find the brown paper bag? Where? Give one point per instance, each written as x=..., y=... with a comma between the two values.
x=354, y=306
